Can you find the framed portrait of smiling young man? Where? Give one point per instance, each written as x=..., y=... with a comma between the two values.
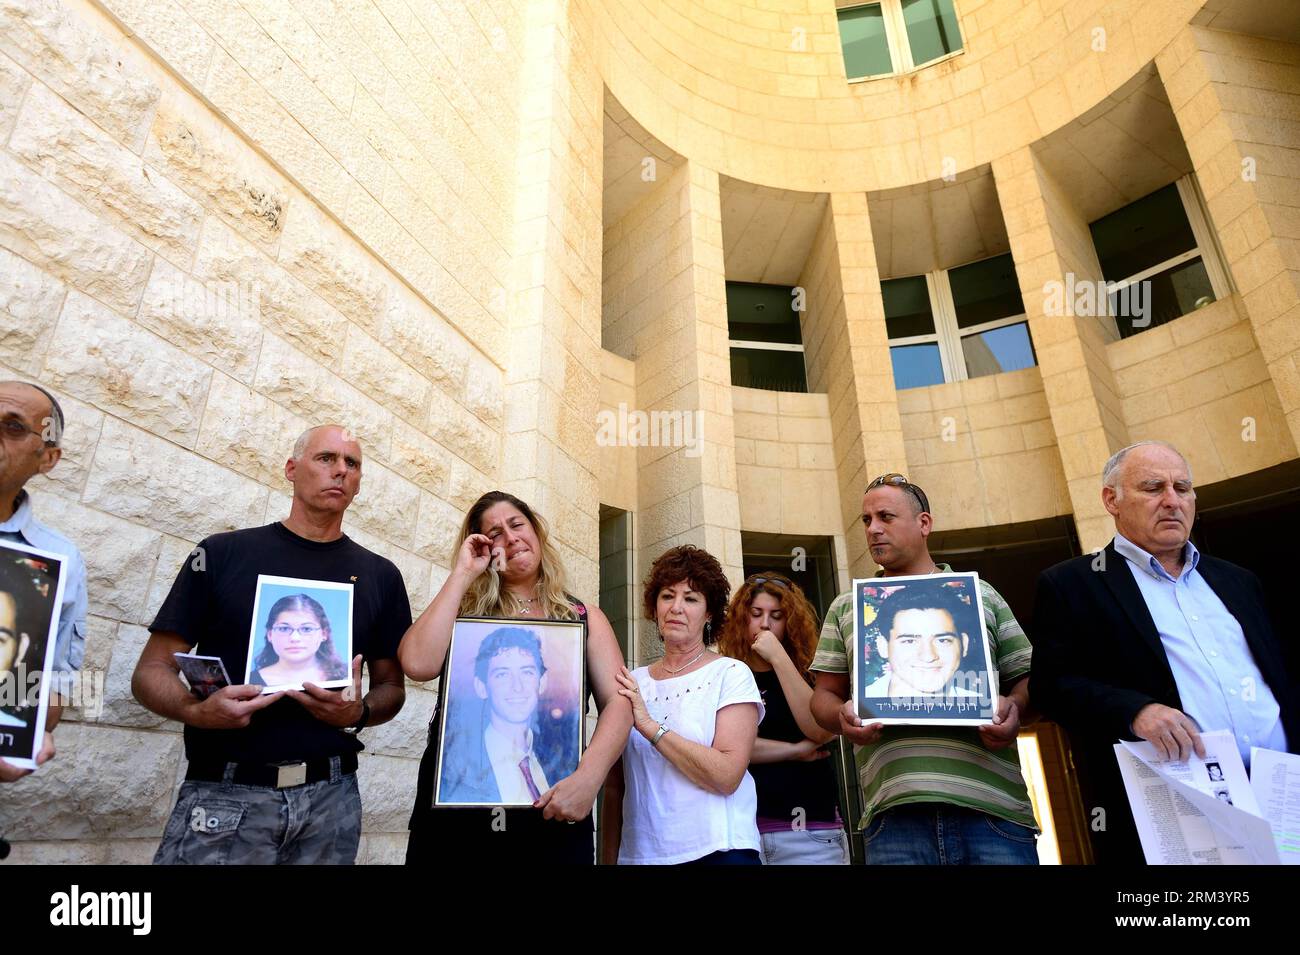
x=511, y=721
x=31, y=593
x=920, y=654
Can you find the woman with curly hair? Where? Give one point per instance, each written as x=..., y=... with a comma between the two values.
x=772, y=628
x=504, y=565
x=683, y=793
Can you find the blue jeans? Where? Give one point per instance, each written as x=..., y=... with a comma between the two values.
x=805, y=847
x=936, y=833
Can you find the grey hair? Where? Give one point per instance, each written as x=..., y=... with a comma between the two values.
x=304, y=439
x=1110, y=473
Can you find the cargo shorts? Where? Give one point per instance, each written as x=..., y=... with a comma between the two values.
x=227, y=823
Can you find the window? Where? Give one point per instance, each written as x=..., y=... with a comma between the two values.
x=1158, y=258
x=766, y=341
x=956, y=324
x=896, y=36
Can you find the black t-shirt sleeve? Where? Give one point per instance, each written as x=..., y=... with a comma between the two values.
x=394, y=618
x=189, y=602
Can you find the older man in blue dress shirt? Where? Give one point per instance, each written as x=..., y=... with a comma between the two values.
x=1151, y=639
x=31, y=432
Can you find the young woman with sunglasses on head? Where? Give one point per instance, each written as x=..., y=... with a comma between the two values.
x=771, y=627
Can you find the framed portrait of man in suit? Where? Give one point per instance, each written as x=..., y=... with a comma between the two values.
x=920, y=653
x=514, y=703
x=31, y=593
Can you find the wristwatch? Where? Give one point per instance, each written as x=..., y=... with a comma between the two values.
x=654, y=741
x=360, y=724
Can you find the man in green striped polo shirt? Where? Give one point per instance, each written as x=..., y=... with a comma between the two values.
x=942, y=795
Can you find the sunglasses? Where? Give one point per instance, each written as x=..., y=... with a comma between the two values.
x=779, y=581
x=897, y=480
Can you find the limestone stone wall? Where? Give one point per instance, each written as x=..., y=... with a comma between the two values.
x=757, y=90
x=221, y=223
x=618, y=471
x=664, y=309
x=553, y=343
x=1235, y=99
x=847, y=356
x=785, y=463
x=984, y=450
x=1201, y=383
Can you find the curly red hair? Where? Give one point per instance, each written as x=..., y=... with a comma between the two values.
x=701, y=570
x=800, y=638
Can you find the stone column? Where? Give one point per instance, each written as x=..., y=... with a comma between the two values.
x=1234, y=99
x=847, y=349
x=665, y=309
x=1050, y=243
x=553, y=375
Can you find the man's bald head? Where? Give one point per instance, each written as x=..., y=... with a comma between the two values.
x=49, y=412
x=303, y=443
x=1112, y=474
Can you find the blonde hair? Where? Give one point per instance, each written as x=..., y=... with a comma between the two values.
x=486, y=597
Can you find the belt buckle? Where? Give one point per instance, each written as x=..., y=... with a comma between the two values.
x=290, y=774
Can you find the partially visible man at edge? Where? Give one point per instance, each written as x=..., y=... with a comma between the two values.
x=942, y=795
x=31, y=438
x=257, y=759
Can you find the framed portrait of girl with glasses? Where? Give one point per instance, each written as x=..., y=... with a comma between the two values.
x=301, y=633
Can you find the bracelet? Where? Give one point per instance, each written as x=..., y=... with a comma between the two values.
x=660, y=735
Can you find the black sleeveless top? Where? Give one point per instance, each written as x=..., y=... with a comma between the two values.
x=788, y=785
x=491, y=836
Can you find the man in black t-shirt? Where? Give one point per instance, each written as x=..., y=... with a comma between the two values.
x=272, y=776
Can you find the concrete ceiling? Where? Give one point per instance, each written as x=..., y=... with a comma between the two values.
x=627, y=147
x=1279, y=19
x=937, y=225
x=768, y=233
x=1124, y=148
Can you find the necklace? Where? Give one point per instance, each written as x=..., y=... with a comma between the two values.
x=684, y=665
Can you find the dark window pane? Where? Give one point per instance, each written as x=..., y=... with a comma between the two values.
x=1162, y=298
x=1142, y=234
x=916, y=366
x=769, y=370
x=985, y=291
x=931, y=29
x=1000, y=349
x=907, y=307
x=866, y=48
x=762, y=313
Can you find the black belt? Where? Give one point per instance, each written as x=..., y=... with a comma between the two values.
x=272, y=775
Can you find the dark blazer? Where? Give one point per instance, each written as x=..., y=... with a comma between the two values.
x=1098, y=660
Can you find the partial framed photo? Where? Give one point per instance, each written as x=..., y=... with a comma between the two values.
x=205, y=675
x=513, y=710
x=920, y=654
x=31, y=598
x=301, y=633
